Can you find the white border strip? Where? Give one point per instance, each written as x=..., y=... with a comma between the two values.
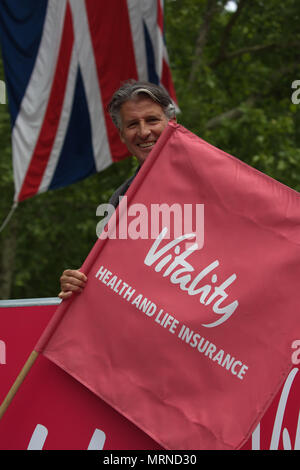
x=30, y=302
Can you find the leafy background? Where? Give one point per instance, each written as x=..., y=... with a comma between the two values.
x=233, y=70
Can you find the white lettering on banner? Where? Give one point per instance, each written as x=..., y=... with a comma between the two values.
x=97, y=441
x=170, y=323
x=286, y=440
x=38, y=438
x=210, y=350
x=40, y=434
x=183, y=277
x=280, y=412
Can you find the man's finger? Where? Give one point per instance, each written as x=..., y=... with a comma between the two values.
x=75, y=273
x=64, y=280
x=65, y=295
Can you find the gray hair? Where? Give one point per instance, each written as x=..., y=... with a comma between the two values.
x=130, y=90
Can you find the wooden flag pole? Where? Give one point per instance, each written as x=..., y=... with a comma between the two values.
x=27, y=366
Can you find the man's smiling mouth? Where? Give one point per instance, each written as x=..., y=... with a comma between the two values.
x=146, y=145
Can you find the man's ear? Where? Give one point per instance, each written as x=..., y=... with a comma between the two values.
x=121, y=137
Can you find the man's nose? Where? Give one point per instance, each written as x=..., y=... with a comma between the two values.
x=143, y=130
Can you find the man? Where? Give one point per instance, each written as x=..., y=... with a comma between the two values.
x=140, y=111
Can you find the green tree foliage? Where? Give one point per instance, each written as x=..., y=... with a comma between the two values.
x=233, y=72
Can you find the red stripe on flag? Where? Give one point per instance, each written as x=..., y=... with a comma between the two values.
x=166, y=77
x=160, y=17
x=114, y=58
x=167, y=82
x=48, y=131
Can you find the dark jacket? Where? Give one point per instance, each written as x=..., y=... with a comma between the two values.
x=114, y=200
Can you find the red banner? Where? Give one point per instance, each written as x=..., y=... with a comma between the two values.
x=52, y=411
x=195, y=328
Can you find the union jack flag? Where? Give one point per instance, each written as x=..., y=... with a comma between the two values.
x=63, y=60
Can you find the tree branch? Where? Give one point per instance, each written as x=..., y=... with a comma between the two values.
x=211, y=8
x=236, y=113
x=253, y=49
x=227, y=30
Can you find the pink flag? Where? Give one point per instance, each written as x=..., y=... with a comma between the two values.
x=186, y=323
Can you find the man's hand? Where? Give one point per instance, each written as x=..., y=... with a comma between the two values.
x=71, y=281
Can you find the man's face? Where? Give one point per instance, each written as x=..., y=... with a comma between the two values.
x=142, y=122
